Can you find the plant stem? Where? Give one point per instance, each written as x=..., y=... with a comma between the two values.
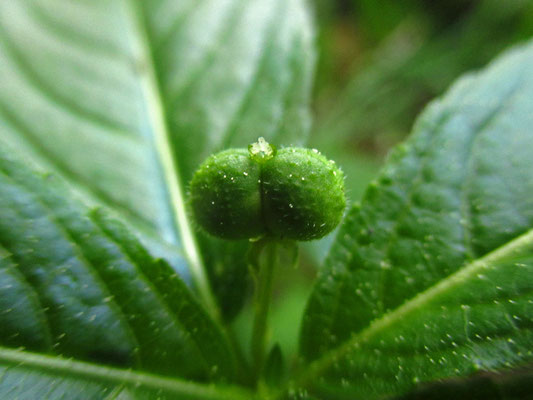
x=263, y=292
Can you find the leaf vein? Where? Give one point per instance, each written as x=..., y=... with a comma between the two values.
x=329, y=358
x=161, y=299
x=34, y=298
x=79, y=251
x=131, y=379
x=48, y=91
x=31, y=138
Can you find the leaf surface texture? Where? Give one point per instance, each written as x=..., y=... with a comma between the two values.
x=432, y=276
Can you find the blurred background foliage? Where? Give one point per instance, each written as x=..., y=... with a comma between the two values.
x=379, y=63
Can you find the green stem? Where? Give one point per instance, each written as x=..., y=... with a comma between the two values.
x=263, y=292
x=245, y=377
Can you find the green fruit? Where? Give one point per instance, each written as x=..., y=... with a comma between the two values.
x=226, y=195
x=293, y=193
x=303, y=194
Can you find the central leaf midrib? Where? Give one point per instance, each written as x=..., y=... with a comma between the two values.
x=65, y=367
x=168, y=163
x=317, y=367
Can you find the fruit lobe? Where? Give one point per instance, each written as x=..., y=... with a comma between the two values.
x=226, y=195
x=303, y=194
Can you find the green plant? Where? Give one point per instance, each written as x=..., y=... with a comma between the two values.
x=106, y=290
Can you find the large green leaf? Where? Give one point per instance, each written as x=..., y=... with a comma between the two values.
x=124, y=98
x=432, y=276
x=75, y=284
x=27, y=375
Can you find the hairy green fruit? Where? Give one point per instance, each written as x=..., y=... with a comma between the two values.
x=226, y=195
x=303, y=194
x=294, y=193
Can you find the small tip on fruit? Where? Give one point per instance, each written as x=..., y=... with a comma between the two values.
x=261, y=150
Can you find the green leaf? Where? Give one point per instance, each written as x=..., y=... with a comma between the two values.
x=76, y=284
x=274, y=366
x=432, y=276
x=507, y=385
x=228, y=272
x=27, y=375
x=125, y=98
